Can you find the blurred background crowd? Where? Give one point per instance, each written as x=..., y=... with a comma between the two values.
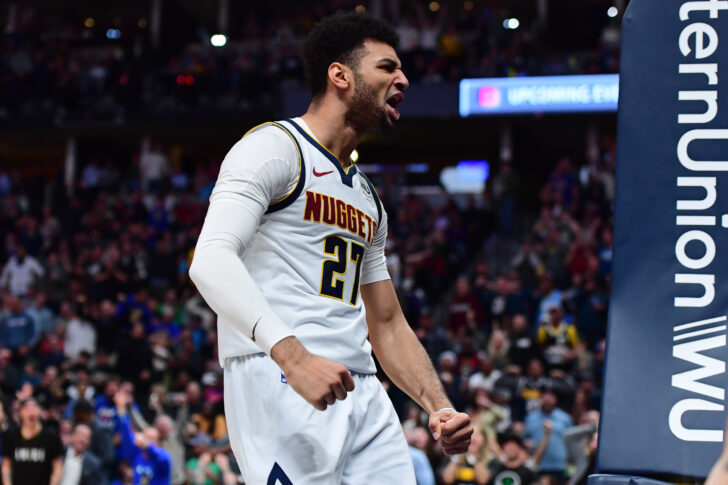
x=59, y=68
x=108, y=355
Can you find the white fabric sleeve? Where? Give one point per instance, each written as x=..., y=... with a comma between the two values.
x=261, y=168
x=375, y=262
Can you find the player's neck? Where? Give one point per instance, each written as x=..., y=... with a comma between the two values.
x=329, y=128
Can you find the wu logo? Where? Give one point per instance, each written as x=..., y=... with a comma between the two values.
x=278, y=476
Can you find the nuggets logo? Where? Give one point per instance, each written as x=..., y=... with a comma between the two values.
x=489, y=97
x=331, y=211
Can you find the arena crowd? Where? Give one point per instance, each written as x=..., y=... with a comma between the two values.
x=68, y=70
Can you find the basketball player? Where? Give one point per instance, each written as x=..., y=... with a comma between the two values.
x=291, y=258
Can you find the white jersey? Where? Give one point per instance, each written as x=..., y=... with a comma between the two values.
x=313, y=248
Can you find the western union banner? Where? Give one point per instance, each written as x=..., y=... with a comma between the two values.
x=664, y=408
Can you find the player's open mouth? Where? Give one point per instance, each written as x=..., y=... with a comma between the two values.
x=392, y=103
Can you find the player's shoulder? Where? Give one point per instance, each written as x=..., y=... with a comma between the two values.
x=269, y=132
x=265, y=141
x=272, y=130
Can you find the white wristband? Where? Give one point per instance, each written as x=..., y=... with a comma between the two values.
x=445, y=409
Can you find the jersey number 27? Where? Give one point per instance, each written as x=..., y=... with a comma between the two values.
x=340, y=248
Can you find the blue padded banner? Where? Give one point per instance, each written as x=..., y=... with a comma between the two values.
x=664, y=402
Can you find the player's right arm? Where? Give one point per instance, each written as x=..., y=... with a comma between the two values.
x=261, y=168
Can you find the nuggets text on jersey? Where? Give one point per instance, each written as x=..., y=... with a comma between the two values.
x=321, y=208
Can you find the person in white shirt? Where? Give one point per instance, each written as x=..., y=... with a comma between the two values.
x=80, y=334
x=291, y=258
x=80, y=466
x=20, y=273
x=153, y=168
x=486, y=375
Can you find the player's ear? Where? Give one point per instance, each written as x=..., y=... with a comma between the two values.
x=340, y=75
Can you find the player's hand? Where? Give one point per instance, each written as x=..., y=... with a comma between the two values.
x=453, y=429
x=318, y=380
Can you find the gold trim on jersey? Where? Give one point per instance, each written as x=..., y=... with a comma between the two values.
x=300, y=158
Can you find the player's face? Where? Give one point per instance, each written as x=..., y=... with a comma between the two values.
x=378, y=88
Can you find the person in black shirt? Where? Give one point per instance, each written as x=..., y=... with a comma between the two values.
x=31, y=454
x=516, y=467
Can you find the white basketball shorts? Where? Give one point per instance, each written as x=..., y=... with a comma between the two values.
x=280, y=439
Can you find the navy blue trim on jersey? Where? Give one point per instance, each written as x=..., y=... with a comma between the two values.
x=290, y=198
x=346, y=178
x=375, y=195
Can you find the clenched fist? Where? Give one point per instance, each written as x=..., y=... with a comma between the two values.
x=318, y=380
x=453, y=429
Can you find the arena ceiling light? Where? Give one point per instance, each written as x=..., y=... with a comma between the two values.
x=612, y=12
x=218, y=40
x=511, y=23
x=113, y=34
x=354, y=156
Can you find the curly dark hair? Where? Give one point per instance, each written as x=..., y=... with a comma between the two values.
x=340, y=38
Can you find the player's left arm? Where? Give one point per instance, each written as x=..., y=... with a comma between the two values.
x=401, y=355
x=406, y=363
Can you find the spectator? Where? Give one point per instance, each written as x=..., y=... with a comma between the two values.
x=210, y=420
x=515, y=460
x=433, y=338
x=80, y=334
x=417, y=440
x=9, y=375
x=490, y=416
x=81, y=467
x=523, y=347
x=498, y=346
x=100, y=443
x=470, y=467
x=17, y=330
x=558, y=339
x=126, y=475
x=201, y=468
x=462, y=304
x=104, y=407
x=591, y=312
x=170, y=436
x=549, y=296
x=553, y=463
x=151, y=463
x=153, y=168
x=42, y=315
x=21, y=272
x=528, y=264
x=485, y=377
x=451, y=379
x=31, y=453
